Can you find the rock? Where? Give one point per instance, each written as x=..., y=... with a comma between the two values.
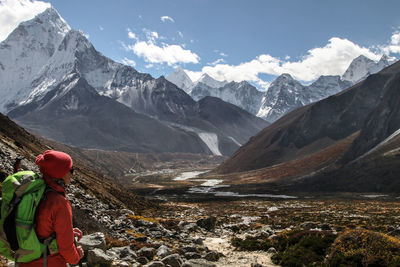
x=155, y=264
x=212, y=256
x=97, y=257
x=173, y=260
x=189, y=249
x=256, y=265
x=207, y=223
x=308, y=225
x=192, y=255
x=198, y=241
x=198, y=263
x=145, y=223
x=149, y=253
x=273, y=236
x=92, y=241
x=163, y=251
x=271, y=250
x=125, y=253
x=191, y=227
x=142, y=260
x=326, y=227
x=141, y=239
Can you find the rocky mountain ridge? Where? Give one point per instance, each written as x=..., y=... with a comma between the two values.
x=284, y=94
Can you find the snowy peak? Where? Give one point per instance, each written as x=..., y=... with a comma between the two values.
x=284, y=95
x=211, y=82
x=181, y=79
x=25, y=52
x=361, y=67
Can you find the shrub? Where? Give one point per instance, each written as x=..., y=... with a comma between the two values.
x=303, y=248
x=295, y=248
x=364, y=248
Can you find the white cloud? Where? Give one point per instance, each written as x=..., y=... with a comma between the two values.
x=101, y=28
x=332, y=59
x=129, y=62
x=13, y=12
x=170, y=54
x=222, y=54
x=218, y=61
x=131, y=35
x=151, y=36
x=167, y=18
x=394, y=45
x=180, y=34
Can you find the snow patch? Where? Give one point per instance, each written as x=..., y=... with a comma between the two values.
x=188, y=175
x=234, y=140
x=211, y=140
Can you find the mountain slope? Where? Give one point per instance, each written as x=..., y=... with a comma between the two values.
x=74, y=113
x=16, y=141
x=314, y=127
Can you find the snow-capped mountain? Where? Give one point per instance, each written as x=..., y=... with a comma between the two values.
x=325, y=86
x=284, y=95
x=209, y=81
x=24, y=53
x=361, y=67
x=181, y=79
x=68, y=62
x=241, y=94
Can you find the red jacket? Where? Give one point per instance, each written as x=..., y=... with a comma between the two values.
x=54, y=215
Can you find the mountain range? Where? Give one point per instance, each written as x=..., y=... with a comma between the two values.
x=347, y=142
x=283, y=95
x=56, y=84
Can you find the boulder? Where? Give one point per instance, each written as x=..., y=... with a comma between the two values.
x=97, y=257
x=207, y=223
x=149, y=253
x=155, y=264
x=212, y=256
x=192, y=255
x=163, y=251
x=198, y=263
x=173, y=260
x=92, y=241
x=142, y=260
x=125, y=253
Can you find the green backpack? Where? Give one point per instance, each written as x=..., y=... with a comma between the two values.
x=21, y=194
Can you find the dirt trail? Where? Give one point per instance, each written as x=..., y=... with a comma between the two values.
x=237, y=258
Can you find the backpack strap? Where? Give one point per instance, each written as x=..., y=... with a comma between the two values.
x=47, y=242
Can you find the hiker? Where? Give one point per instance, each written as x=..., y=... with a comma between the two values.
x=54, y=215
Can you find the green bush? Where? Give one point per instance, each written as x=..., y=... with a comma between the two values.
x=303, y=248
x=295, y=248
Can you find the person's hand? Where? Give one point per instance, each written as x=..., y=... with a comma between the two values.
x=80, y=251
x=77, y=233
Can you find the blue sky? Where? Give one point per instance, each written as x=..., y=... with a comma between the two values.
x=253, y=40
